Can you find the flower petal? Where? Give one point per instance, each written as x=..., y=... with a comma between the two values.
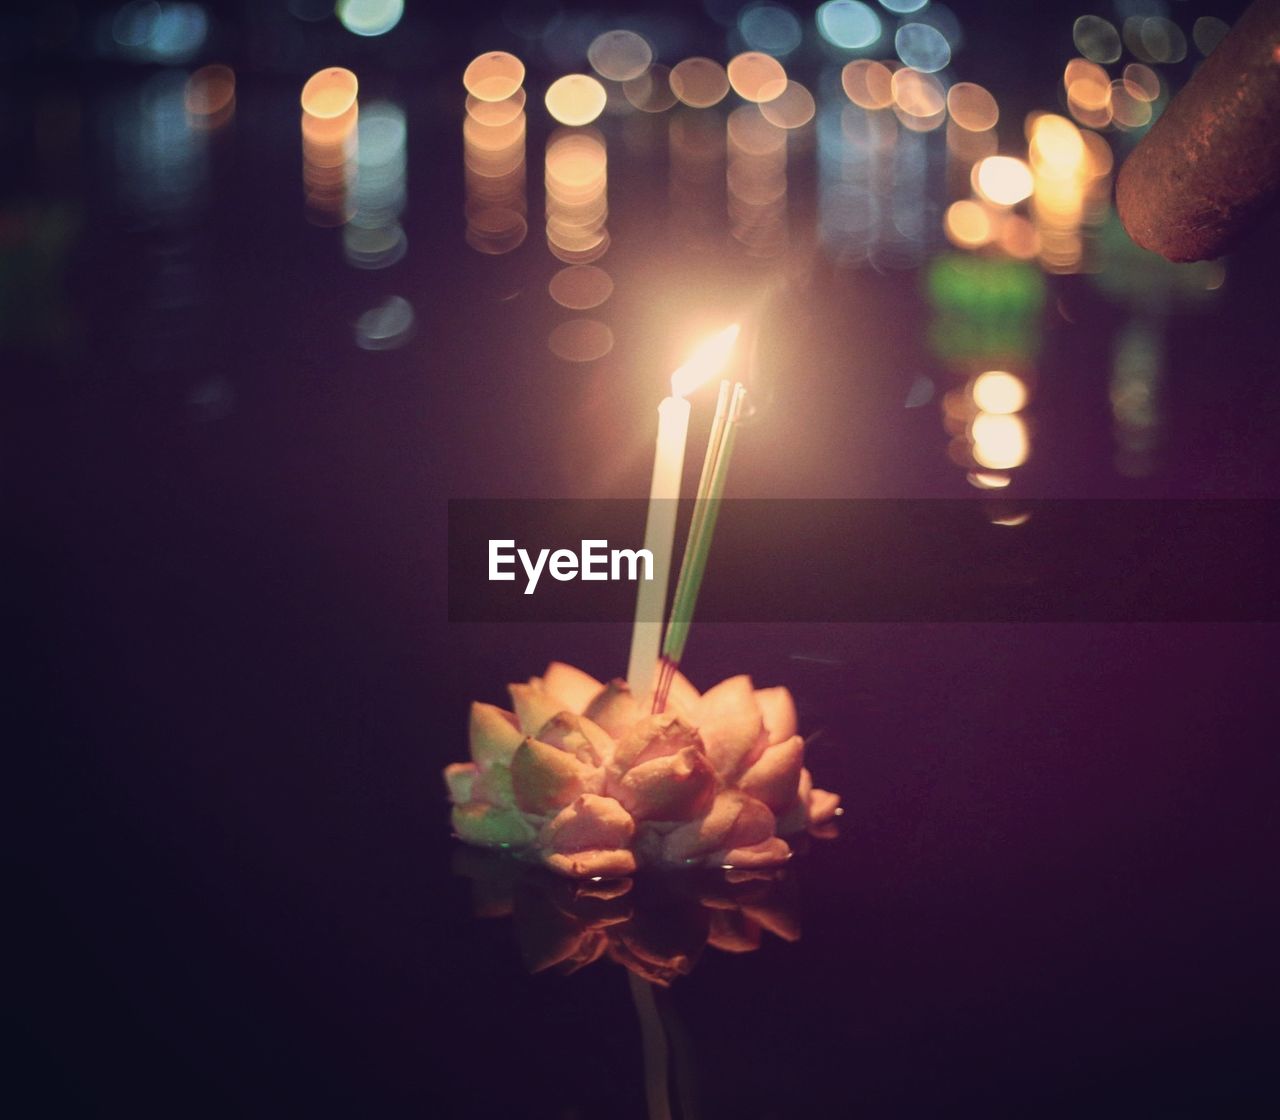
x=614, y=708
x=822, y=805
x=589, y=822
x=767, y=853
x=731, y=726
x=458, y=779
x=733, y=932
x=778, y=709
x=654, y=737
x=493, y=734
x=573, y=688
x=583, y=738
x=533, y=706
x=491, y=827
x=672, y=788
x=494, y=787
x=775, y=777
x=545, y=779
x=733, y=821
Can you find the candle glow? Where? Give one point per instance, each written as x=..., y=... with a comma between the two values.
x=664, y=493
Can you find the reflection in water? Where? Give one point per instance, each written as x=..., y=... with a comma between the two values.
x=211, y=97
x=493, y=141
x=329, y=115
x=696, y=147
x=756, y=177
x=373, y=237
x=657, y=926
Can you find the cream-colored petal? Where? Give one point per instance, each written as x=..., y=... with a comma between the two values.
x=796, y=817
x=608, y=864
x=822, y=805
x=493, y=734
x=733, y=821
x=545, y=779
x=589, y=822
x=585, y=739
x=458, y=779
x=767, y=853
x=491, y=827
x=675, y=787
x=778, y=709
x=533, y=706
x=654, y=737
x=774, y=778
x=731, y=726
x=494, y=787
x=779, y=920
x=571, y=685
x=614, y=708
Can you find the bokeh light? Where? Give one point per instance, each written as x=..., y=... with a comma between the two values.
x=387, y=326
x=1097, y=39
x=868, y=84
x=999, y=392
x=496, y=113
x=620, y=55
x=580, y=287
x=903, y=7
x=922, y=47
x=576, y=99
x=494, y=76
x=770, y=28
x=651, y=91
x=972, y=107
x=699, y=82
x=755, y=76
x=210, y=97
x=968, y=224
x=576, y=180
x=369, y=18
x=848, y=24
x=918, y=99
x=330, y=93
x=793, y=108
x=1207, y=32
x=999, y=441
x=1004, y=180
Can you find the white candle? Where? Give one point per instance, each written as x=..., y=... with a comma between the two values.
x=664, y=497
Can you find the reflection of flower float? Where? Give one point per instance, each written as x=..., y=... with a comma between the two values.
x=656, y=926
x=579, y=779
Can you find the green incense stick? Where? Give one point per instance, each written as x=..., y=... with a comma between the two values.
x=698, y=546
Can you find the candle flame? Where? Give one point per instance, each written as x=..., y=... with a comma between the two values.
x=707, y=359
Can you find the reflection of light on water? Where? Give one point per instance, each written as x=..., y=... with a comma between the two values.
x=580, y=287
x=1071, y=172
x=373, y=237
x=386, y=326
x=881, y=166
x=329, y=116
x=756, y=177
x=696, y=146
x=581, y=340
x=999, y=442
x=493, y=152
x=1135, y=397
x=576, y=178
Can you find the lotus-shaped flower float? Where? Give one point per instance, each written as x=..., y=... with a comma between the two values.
x=579, y=777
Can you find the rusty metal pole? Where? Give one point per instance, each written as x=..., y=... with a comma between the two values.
x=1210, y=166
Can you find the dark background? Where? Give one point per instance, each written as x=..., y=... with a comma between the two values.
x=235, y=683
